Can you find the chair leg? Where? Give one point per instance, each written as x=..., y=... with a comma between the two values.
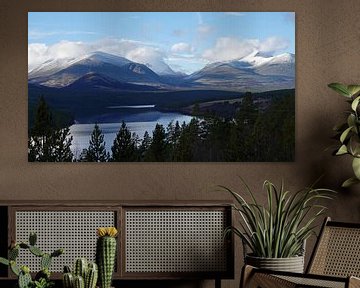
x=217, y=283
x=246, y=274
x=354, y=282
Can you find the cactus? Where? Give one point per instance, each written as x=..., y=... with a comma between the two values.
x=91, y=276
x=68, y=280
x=79, y=282
x=80, y=267
x=14, y=268
x=45, y=261
x=105, y=254
x=36, y=251
x=24, y=278
x=13, y=253
x=32, y=238
x=90, y=272
x=57, y=252
x=67, y=269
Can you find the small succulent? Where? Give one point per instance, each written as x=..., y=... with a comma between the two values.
x=43, y=283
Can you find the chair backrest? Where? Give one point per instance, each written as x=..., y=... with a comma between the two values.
x=337, y=251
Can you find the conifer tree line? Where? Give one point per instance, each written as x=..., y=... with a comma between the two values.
x=248, y=135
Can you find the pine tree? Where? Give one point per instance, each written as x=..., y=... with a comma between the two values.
x=242, y=141
x=189, y=142
x=124, y=147
x=62, y=143
x=144, y=147
x=96, y=151
x=157, y=149
x=47, y=143
x=172, y=139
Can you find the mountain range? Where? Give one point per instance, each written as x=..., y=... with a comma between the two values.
x=256, y=72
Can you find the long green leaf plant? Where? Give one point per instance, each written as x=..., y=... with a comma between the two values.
x=280, y=228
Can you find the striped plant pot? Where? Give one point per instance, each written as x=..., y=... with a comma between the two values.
x=291, y=264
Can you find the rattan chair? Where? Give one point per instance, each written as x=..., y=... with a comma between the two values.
x=334, y=263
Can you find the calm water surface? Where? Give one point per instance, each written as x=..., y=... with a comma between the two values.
x=138, y=122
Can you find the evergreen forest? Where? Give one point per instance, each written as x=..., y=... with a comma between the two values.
x=247, y=132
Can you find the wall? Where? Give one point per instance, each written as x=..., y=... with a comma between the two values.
x=327, y=50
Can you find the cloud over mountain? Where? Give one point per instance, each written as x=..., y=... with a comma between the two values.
x=231, y=48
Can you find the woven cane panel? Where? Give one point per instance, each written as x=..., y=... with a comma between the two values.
x=338, y=253
x=175, y=241
x=74, y=231
x=306, y=282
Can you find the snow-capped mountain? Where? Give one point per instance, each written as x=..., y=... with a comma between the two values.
x=51, y=66
x=111, y=66
x=159, y=67
x=256, y=71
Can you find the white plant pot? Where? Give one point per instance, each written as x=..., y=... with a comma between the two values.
x=291, y=264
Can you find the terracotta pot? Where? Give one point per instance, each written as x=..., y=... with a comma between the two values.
x=291, y=264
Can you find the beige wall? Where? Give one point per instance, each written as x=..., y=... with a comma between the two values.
x=327, y=50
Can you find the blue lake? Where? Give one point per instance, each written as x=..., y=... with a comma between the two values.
x=137, y=118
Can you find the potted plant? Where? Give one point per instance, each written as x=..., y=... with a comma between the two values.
x=84, y=274
x=276, y=233
x=348, y=132
x=42, y=278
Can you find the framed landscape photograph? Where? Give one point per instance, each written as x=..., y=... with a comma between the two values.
x=161, y=86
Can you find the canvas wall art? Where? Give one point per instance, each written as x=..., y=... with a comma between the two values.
x=161, y=86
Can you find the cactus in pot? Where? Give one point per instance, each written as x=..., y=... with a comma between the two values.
x=85, y=275
x=42, y=278
x=106, y=254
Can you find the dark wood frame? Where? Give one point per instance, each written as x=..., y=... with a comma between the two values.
x=119, y=208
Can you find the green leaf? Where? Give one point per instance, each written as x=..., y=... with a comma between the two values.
x=345, y=134
x=349, y=182
x=354, y=145
x=14, y=268
x=340, y=88
x=4, y=261
x=342, y=150
x=355, y=103
x=353, y=89
x=351, y=120
x=356, y=167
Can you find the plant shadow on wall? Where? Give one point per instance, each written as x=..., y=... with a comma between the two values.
x=276, y=232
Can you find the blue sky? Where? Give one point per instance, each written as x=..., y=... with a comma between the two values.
x=186, y=41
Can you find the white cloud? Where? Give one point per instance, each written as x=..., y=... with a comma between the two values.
x=39, y=53
x=230, y=48
x=273, y=44
x=137, y=51
x=181, y=47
